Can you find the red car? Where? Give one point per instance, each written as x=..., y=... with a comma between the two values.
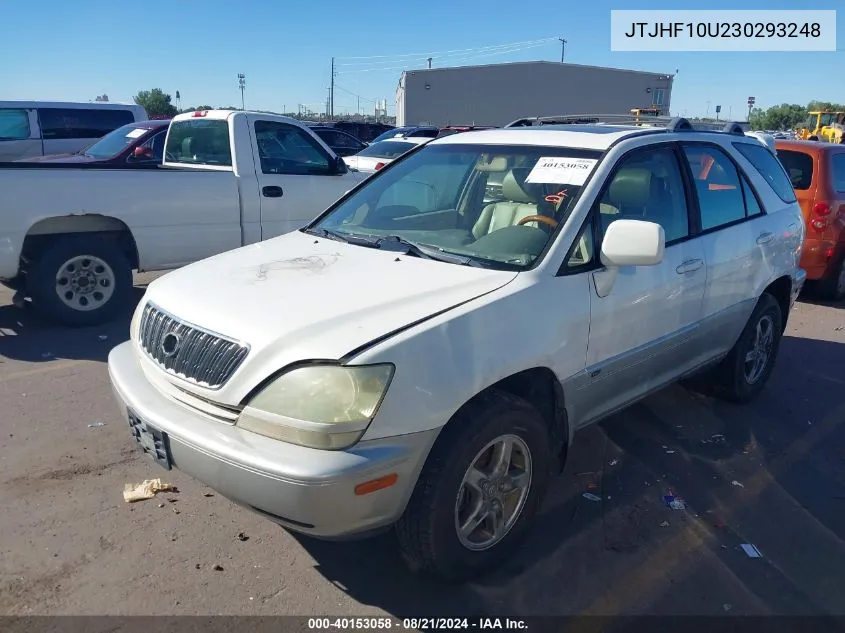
x=139, y=144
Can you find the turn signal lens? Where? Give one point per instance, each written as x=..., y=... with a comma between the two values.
x=376, y=484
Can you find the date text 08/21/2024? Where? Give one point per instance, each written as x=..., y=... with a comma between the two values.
x=417, y=624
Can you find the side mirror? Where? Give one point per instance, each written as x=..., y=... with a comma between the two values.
x=633, y=243
x=340, y=165
x=142, y=152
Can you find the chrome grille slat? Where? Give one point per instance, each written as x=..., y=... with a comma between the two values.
x=203, y=357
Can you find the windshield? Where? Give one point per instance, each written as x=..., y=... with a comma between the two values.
x=470, y=200
x=115, y=141
x=398, y=131
x=387, y=149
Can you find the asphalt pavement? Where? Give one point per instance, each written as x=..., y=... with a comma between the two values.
x=770, y=474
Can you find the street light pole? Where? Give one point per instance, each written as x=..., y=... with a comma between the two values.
x=242, y=86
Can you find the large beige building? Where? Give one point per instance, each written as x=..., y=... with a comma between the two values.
x=497, y=94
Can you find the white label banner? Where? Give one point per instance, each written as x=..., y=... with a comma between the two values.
x=561, y=171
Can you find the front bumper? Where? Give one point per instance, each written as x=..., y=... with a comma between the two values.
x=304, y=489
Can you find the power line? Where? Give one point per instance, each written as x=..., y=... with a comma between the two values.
x=397, y=57
x=423, y=63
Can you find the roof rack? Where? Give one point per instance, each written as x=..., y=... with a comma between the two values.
x=669, y=124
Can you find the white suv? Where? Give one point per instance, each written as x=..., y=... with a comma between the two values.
x=419, y=357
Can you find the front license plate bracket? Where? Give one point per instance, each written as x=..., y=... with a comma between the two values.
x=151, y=440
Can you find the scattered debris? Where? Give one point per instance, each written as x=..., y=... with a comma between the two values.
x=612, y=462
x=172, y=500
x=175, y=511
x=591, y=485
x=664, y=447
x=197, y=566
x=751, y=550
x=646, y=483
x=218, y=567
x=838, y=328
x=145, y=490
x=103, y=337
x=737, y=484
x=674, y=502
x=96, y=425
x=242, y=537
x=160, y=505
x=207, y=494
x=589, y=496
x=664, y=524
x=670, y=452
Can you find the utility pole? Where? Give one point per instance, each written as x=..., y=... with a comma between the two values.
x=242, y=86
x=429, y=62
x=358, y=109
x=332, y=90
x=562, y=48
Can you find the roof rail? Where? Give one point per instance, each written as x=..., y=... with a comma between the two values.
x=669, y=124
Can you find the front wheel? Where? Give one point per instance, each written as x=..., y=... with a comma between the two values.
x=479, y=490
x=744, y=372
x=80, y=280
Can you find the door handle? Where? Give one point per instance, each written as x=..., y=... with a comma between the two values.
x=272, y=192
x=765, y=238
x=689, y=266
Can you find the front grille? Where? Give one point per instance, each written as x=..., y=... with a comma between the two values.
x=189, y=351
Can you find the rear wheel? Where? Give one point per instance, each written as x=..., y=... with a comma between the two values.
x=80, y=280
x=741, y=376
x=479, y=490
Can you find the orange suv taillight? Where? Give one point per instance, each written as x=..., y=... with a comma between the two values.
x=821, y=211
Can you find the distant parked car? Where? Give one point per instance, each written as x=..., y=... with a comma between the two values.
x=37, y=128
x=135, y=145
x=455, y=129
x=341, y=143
x=377, y=155
x=365, y=131
x=427, y=131
x=817, y=172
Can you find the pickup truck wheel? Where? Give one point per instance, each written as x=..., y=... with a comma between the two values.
x=479, y=490
x=79, y=281
x=746, y=369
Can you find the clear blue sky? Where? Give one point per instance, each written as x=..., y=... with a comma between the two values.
x=76, y=50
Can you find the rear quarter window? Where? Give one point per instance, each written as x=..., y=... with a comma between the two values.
x=837, y=165
x=199, y=142
x=799, y=167
x=770, y=168
x=14, y=124
x=73, y=123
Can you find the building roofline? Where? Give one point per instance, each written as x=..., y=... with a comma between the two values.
x=539, y=61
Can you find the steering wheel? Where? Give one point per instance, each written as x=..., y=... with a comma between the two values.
x=538, y=218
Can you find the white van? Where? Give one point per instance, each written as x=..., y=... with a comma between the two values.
x=40, y=128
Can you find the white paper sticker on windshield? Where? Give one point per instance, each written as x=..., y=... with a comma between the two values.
x=561, y=171
x=138, y=131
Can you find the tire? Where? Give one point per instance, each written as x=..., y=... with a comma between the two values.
x=738, y=379
x=832, y=288
x=96, y=286
x=428, y=530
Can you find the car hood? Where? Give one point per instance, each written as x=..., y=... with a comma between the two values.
x=61, y=158
x=299, y=297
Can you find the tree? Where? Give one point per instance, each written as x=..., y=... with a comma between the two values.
x=156, y=102
x=825, y=105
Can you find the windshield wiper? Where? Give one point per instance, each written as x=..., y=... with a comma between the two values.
x=340, y=236
x=427, y=251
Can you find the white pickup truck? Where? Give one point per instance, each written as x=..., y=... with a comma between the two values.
x=70, y=236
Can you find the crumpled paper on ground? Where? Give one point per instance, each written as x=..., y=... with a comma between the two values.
x=145, y=490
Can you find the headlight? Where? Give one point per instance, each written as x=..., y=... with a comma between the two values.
x=320, y=406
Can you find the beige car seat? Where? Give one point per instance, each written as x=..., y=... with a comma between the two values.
x=517, y=204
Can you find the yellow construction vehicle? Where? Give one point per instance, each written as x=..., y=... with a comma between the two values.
x=823, y=125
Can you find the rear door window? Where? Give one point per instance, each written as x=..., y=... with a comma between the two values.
x=799, y=167
x=769, y=167
x=14, y=124
x=72, y=123
x=837, y=164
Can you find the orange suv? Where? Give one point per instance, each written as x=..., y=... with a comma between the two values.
x=817, y=171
